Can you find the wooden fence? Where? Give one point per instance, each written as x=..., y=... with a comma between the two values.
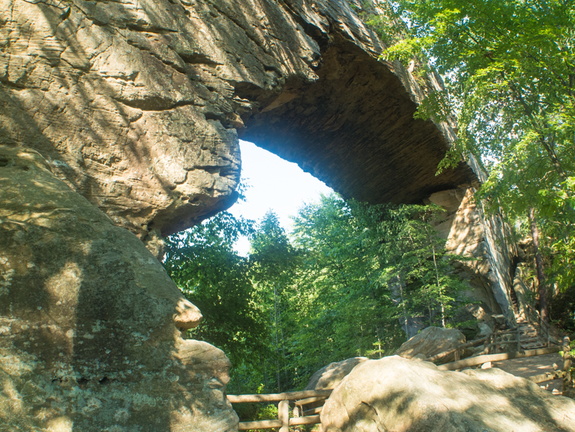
x=477, y=360
x=306, y=405
x=500, y=341
x=299, y=399
x=492, y=344
x=533, y=316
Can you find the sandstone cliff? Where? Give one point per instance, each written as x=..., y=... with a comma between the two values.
x=89, y=320
x=137, y=104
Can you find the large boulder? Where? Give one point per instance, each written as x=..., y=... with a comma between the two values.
x=90, y=323
x=430, y=342
x=330, y=376
x=401, y=395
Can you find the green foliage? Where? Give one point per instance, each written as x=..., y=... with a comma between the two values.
x=339, y=286
x=509, y=72
x=571, y=352
x=214, y=277
x=342, y=307
x=366, y=269
x=563, y=310
x=273, y=265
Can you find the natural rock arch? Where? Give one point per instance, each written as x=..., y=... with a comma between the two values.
x=353, y=127
x=125, y=116
x=101, y=89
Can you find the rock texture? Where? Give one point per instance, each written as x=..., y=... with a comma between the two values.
x=431, y=341
x=89, y=320
x=400, y=395
x=136, y=103
x=105, y=91
x=485, y=240
x=330, y=376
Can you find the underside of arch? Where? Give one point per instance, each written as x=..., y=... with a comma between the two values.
x=354, y=129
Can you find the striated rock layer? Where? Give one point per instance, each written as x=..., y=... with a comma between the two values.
x=136, y=104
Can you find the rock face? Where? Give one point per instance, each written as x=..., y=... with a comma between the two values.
x=485, y=241
x=89, y=320
x=400, y=395
x=430, y=342
x=136, y=104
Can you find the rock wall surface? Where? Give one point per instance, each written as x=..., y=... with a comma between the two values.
x=485, y=241
x=90, y=322
x=136, y=104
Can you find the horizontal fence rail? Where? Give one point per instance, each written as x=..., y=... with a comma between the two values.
x=500, y=341
x=477, y=360
x=299, y=399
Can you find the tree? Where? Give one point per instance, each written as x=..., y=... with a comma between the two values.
x=344, y=311
x=509, y=72
x=365, y=270
x=203, y=263
x=325, y=293
x=273, y=261
x=413, y=260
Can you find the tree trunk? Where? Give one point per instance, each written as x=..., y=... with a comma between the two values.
x=403, y=308
x=541, y=283
x=277, y=340
x=439, y=287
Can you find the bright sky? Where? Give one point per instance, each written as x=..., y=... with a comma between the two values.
x=275, y=184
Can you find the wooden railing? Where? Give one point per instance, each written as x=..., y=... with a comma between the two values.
x=534, y=317
x=477, y=360
x=457, y=351
x=500, y=341
x=306, y=405
x=492, y=344
x=495, y=348
x=298, y=399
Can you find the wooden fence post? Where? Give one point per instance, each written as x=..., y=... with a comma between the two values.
x=567, y=364
x=283, y=415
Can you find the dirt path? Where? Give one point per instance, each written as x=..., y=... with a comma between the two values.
x=531, y=366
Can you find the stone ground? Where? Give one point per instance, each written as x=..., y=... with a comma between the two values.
x=531, y=366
